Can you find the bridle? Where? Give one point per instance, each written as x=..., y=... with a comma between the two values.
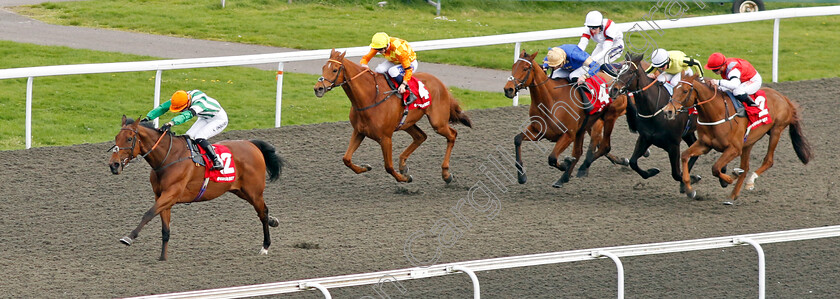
x=346, y=81
x=697, y=105
x=124, y=162
x=521, y=83
x=632, y=94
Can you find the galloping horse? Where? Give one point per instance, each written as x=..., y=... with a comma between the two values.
x=557, y=114
x=720, y=130
x=176, y=179
x=377, y=113
x=644, y=115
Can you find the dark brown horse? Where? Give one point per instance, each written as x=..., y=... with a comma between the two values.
x=378, y=112
x=176, y=179
x=719, y=129
x=557, y=115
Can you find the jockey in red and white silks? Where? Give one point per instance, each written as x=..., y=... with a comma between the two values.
x=603, y=31
x=738, y=76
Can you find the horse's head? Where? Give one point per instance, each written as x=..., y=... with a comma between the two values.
x=127, y=143
x=684, y=97
x=522, y=74
x=628, y=76
x=333, y=74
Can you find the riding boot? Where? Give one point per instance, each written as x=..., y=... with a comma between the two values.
x=744, y=98
x=211, y=153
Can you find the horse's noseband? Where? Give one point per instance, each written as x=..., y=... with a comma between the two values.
x=521, y=83
x=337, y=75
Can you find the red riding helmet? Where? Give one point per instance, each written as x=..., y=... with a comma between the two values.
x=716, y=61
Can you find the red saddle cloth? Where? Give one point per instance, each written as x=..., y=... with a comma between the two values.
x=758, y=115
x=224, y=175
x=598, y=94
x=419, y=89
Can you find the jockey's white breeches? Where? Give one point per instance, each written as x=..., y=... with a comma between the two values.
x=749, y=87
x=393, y=69
x=561, y=73
x=604, y=56
x=204, y=128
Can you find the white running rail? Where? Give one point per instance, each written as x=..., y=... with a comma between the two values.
x=645, y=26
x=470, y=267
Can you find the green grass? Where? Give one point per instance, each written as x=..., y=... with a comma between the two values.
x=87, y=108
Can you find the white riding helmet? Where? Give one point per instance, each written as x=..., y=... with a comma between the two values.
x=594, y=18
x=659, y=58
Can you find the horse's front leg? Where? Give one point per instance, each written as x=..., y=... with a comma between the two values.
x=165, y=218
x=157, y=208
x=560, y=146
x=694, y=150
x=742, y=173
x=385, y=144
x=641, y=148
x=418, y=137
x=727, y=156
x=355, y=141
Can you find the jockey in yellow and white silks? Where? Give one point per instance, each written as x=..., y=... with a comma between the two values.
x=671, y=64
x=603, y=31
x=401, y=61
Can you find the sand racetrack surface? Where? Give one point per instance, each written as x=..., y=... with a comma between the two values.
x=63, y=213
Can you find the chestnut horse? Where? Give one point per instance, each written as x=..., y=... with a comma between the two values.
x=378, y=112
x=719, y=129
x=176, y=179
x=557, y=114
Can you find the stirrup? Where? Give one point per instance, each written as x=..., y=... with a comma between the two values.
x=217, y=165
x=411, y=98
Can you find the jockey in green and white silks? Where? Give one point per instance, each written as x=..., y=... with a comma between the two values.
x=211, y=121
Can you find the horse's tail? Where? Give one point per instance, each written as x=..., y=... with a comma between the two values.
x=800, y=144
x=456, y=114
x=273, y=162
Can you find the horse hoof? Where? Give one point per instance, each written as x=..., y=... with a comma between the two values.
x=522, y=179
x=126, y=240
x=367, y=167
x=692, y=194
x=737, y=171
x=582, y=173
x=682, y=188
x=750, y=187
x=723, y=183
x=647, y=153
x=570, y=160
x=563, y=166
x=728, y=203
x=263, y=251
x=652, y=172
x=558, y=184
x=404, y=170
x=410, y=179
x=272, y=221
x=624, y=162
x=695, y=178
x=450, y=179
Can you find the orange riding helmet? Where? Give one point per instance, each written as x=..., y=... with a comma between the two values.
x=179, y=101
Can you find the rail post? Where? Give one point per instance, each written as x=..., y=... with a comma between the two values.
x=619, y=267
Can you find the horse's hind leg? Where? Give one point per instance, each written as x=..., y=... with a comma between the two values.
x=775, y=134
x=255, y=198
x=355, y=141
x=450, y=133
x=419, y=136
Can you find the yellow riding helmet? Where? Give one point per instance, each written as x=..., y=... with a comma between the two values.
x=555, y=56
x=180, y=100
x=380, y=40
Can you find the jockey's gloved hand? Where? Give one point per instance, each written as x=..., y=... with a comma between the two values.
x=145, y=119
x=165, y=127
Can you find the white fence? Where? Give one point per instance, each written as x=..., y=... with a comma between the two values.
x=281, y=58
x=470, y=267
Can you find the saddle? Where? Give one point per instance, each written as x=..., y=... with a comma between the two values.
x=195, y=152
x=406, y=100
x=611, y=69
x=739, y=107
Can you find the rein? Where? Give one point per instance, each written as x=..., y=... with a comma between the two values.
x=387, y=94
x=632, y=94
x=697, y=105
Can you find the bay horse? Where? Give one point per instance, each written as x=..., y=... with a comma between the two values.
x=557, y=114
x=176, y=179
x=719, y=129
x=644, y=116
x=377, y=112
